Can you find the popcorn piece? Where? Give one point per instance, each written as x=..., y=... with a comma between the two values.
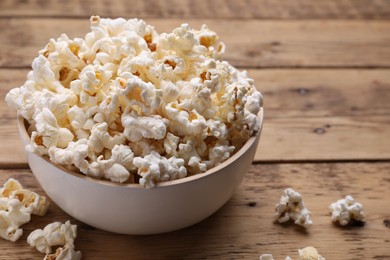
x=49, y=134
x=108, y=169
x=266, y=257
x=32, y=202
x=100, y=138
x=125, y=85
x=16, y=206
x=11, y=219
x=345, y=210
x=154, y=168
x=309, y=253
x=137, y=128
x=55, y=234
x=10, y=186
x=64, y=253
x=291, y=206
x=74, y=154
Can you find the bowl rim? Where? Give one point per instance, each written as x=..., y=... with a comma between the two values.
x=26, y=138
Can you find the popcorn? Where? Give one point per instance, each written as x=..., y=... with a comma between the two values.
x=11, y=219
x=154, y=168
x=64, y=253
x=291, y=206
x=16, y=206
x=55, y=234
x=270, y=257
x=75, y=154
x=266, y=257
x=10, y=186
x=309, y=253
x=32, y=202
x=125, y=88
x=137, y=128
x=345, y=210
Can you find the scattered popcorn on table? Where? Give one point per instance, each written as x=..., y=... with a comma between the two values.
x=345, y=210
x=64, y=253
x=291, y=207
x=266, y=257
x=270, y=257
x=56, y=234
x=165, y=100
x=11, y=219
x=16, y=206
x=309, y=253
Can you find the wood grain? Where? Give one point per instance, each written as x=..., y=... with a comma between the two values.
x=324, y=92
x=309, y=115
x=259, y=9
x=244, y=228
x=250, y=43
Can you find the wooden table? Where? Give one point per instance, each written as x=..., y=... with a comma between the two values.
x=324, y=70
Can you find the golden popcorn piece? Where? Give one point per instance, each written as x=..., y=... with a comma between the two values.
x=31, y=200
x=10, y=186
x=309, y=253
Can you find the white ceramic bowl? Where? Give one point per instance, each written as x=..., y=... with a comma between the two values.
x=133, y=209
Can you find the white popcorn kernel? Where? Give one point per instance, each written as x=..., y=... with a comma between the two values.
x=217, y=129
x=48, y=128
x=220, y=152
x=123, y=155
x=117, y=173
x=254, y=102
x=108, y=169
x=100, y=138
x=171, y=143
x=38, y=240
x=266, y=257
x=154, y=168
x=32, y=202
x=10, y=186
x=11, y=219
x=64, y=253
x=345, y=210
x=75, y=154
x=291, y=206
x=55, y=234
x=309, y=253
x=197, y=165
x=137, y=128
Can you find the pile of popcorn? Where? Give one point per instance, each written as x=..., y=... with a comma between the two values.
x=16, y=207
x=307, y=253
x=130, y=105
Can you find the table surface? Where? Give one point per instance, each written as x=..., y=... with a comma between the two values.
x=324, y=70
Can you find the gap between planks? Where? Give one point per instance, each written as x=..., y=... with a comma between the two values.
x=216, y=9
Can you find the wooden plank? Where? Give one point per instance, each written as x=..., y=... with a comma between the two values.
x=244, y=228
x=250, y=43
x=309, y=115
x=324, y=92
x=325, y=138
x=259, y=9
